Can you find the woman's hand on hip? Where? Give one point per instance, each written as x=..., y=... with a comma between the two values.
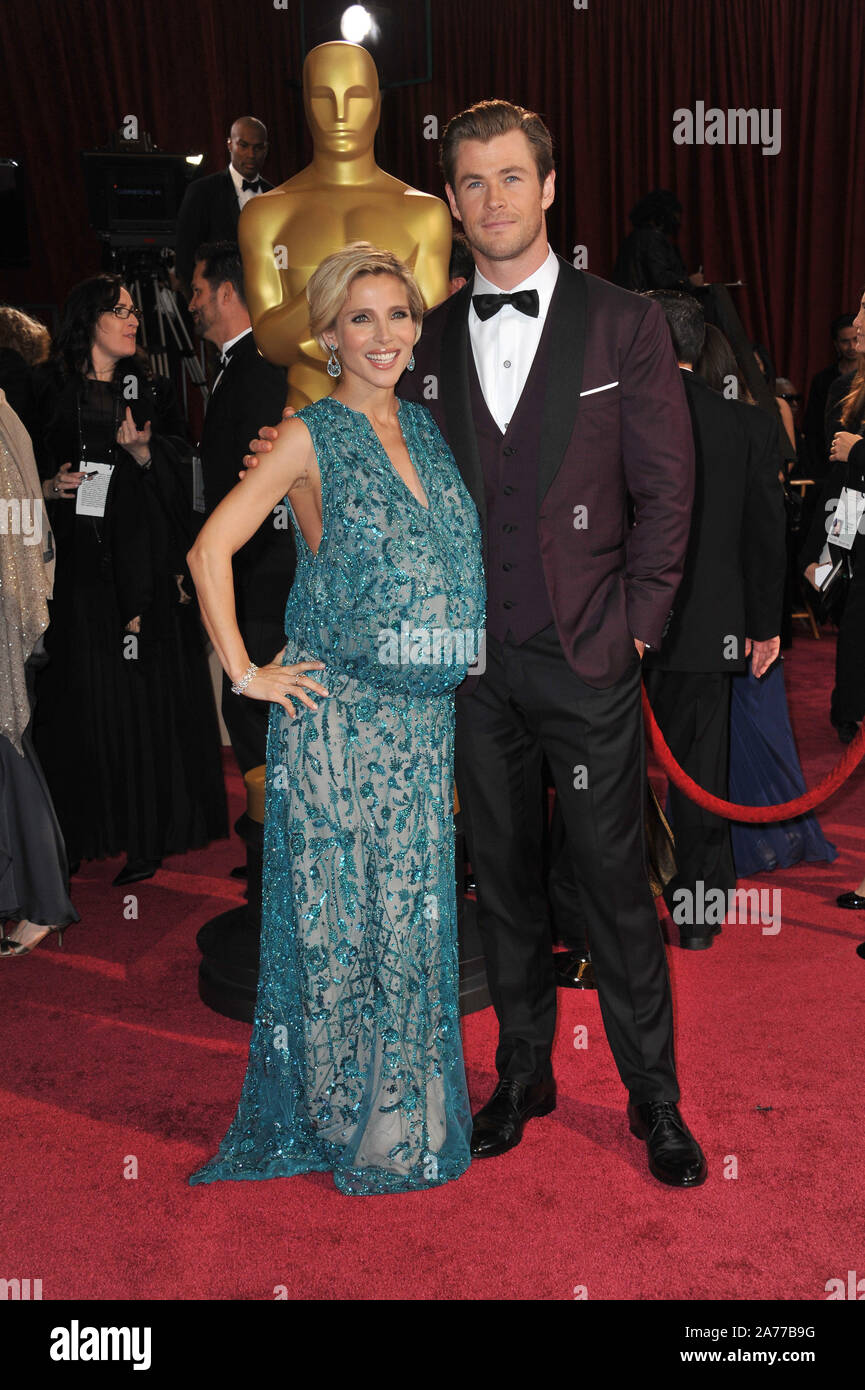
x=282, y=685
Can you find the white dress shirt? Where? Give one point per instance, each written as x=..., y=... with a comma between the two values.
x=237, y=180
x=226, y=347
x=504, y=346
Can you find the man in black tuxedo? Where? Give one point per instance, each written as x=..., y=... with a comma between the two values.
x=845, y=342
x=247, y=390
x=560, y=398
x=212, y=205
x=728, y=608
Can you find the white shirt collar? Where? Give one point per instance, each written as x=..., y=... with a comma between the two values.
x=543, y=280
x=226, y=347
x=237, y=180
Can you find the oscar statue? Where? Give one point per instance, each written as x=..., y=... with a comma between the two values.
x=341, y=197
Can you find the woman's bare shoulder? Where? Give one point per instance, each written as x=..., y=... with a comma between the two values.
x=293, y=447
x=294, y=434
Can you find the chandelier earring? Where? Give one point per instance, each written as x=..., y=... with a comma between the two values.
x=334, y=367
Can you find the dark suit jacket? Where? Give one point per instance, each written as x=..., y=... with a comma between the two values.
x=814, y=422
x=614, y=427
x=733, y=586
x=209, y=212
x=251, y=392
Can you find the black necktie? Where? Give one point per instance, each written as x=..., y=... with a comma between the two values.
x=254, y=184
x=525, y=300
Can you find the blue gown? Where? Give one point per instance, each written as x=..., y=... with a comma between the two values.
x=355, y=1062
x=765, y=771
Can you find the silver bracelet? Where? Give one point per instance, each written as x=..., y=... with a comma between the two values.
x=247, y=676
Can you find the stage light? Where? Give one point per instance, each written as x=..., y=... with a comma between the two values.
x=194, y=158
x=357, y=24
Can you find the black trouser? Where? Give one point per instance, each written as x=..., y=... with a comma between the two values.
x=529, y=703
x=245, y=719
x=567, y=909
x=693, y=714
x=848, y=697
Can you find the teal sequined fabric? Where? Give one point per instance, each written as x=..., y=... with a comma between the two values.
x=355, y=1063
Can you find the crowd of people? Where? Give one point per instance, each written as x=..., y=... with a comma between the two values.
x=404, y=509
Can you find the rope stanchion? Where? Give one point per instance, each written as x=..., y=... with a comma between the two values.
x=849, y=760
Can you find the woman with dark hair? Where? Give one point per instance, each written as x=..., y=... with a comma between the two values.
x=764, y=767
x=649, y=258
x=717, y=365
x=125, y=719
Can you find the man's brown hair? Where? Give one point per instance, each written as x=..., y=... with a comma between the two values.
x=487, y=119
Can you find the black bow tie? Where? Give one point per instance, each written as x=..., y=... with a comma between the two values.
x=254, y=184
x=525, y=300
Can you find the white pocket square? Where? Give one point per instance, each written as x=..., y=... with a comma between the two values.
x=595, y=389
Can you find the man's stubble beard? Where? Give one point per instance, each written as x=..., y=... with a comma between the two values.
x=494, y=254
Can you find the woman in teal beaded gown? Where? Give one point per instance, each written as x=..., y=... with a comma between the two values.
x=355, y=1062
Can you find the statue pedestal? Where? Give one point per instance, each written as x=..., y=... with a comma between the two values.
x=228, y=973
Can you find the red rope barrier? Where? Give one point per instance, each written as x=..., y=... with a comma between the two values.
x=850, y=759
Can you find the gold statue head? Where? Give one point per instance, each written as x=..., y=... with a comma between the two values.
x=341, y=99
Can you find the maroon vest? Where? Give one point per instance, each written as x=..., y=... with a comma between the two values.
x=517, y=599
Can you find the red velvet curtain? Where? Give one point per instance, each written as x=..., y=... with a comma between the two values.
x=608, y=79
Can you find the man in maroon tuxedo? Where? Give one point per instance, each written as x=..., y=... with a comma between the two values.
x=560, y=397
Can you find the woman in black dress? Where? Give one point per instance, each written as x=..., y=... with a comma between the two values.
x=125, y=719
x=845, y=602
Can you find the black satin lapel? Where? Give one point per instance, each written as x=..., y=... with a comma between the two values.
x=568, y=313
x=231, y=205
x=456, y=399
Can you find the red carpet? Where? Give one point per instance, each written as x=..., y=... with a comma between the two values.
x=112, y=1065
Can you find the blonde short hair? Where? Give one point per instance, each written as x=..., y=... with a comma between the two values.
x=329, y=284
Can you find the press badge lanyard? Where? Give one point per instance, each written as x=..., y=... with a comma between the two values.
x=92, y=495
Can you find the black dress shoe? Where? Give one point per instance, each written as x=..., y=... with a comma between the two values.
x=499, y=1125
x=136, y=870
x=699, y=943
x=574, y=970
x=850, y=900
x=675, y=1157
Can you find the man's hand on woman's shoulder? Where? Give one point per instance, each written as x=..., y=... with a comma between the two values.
x=262, y=444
